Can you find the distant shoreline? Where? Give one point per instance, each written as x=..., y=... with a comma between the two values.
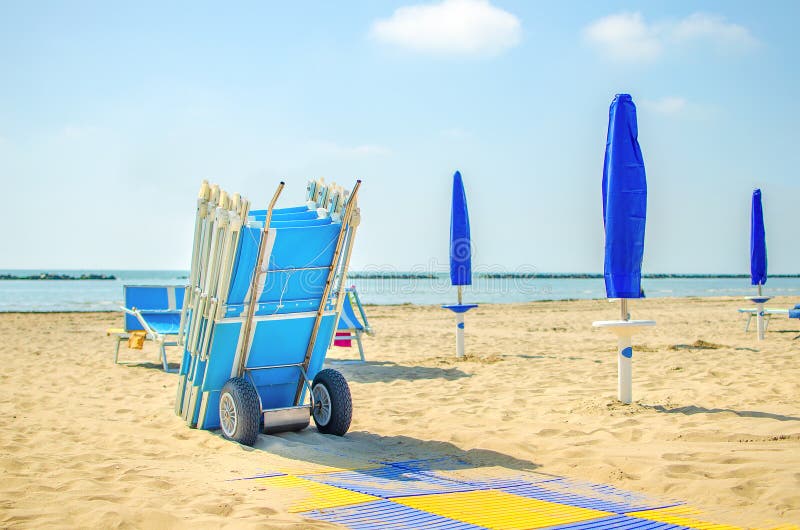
x=409, y=275
x=356, y=275
x=49, y=276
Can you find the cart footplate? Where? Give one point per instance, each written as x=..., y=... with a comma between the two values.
x=286, y=419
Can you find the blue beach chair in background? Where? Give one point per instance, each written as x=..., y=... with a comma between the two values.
x=153, y=311
x=266, y=290
x=795, y=313
x=350, y=327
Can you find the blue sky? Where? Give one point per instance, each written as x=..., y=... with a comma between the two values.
x=112, y=114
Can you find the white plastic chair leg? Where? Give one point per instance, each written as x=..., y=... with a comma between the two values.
x=116, y=350
x=360, y=346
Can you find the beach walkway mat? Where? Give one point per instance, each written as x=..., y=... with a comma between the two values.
x=446, y=493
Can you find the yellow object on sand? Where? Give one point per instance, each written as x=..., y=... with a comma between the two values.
x=136, y=340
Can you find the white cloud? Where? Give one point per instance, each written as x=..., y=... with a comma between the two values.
x=358, y=151
x=627, y=37
x=666, y=105
x=79, y=132
x=680, y=107
x=455, y=133
x=450, y=27
x=714, y=28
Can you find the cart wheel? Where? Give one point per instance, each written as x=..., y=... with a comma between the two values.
x=239, y=411
x=333, y=407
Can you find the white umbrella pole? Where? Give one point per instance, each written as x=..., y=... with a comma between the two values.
x=624, y=359
x=760, y=316
x=459, y=328
x=459, y=335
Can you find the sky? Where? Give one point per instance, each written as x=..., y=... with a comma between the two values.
x=111, y=114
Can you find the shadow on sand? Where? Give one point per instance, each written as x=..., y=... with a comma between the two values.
x=173, y=367
x=692, y=409
x=385, y=371
x=363, y=451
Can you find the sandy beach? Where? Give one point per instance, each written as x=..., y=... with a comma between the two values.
x=715, y=420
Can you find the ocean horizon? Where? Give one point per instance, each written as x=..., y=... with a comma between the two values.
x=381, y=287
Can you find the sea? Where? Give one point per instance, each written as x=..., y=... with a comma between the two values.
x=106, y=295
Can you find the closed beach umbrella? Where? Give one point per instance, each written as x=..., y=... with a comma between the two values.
x=624, y=212
x=460, y=256
x=758, y=243
x=460, y=245
x=758, y=258
x=624, y=202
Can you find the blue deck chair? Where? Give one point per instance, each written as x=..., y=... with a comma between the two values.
x=795, y=313
x=350, y=327
x=262, y=369
x=154, y=310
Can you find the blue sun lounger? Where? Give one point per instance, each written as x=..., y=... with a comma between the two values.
x=154, y=310
x=255, y=347
x=795, y=313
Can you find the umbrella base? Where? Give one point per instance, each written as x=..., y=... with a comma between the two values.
x=624, y=330
x=760, y=301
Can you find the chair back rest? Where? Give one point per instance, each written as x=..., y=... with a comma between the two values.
x=163, y=302
x=298, y=266
x=348, y=319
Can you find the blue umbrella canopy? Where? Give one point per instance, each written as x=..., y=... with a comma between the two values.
x=624, y=201
x=758, y=242
x=460, y=245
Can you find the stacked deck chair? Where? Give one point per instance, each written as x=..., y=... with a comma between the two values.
x=265, y=294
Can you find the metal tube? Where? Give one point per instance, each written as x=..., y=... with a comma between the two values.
x=202, y=200
x=348, y=214
x=460, y=334
x=623, y=306
x=624, y=369
x=251, y=308
x=761, y=326
x=459, y=295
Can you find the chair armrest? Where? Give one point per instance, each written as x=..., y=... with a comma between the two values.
x=151, y=334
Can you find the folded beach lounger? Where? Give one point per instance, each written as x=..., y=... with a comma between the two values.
x=261, y=316
x=154, y=311
x=350, y=327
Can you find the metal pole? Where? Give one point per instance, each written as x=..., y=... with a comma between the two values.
x=459, y=295
x=624, y=368
x=459, y=335
x=251, y=308
x=348, y=214
x=760, y=316
x=623, y=306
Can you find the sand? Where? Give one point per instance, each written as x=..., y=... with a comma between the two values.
x=86, y=443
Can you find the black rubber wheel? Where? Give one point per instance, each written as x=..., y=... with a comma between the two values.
x=239, y=411
x=333, y=406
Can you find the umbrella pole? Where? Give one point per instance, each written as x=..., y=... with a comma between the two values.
x=624, y=359
x=459, y=335
x=459, y=329
x=760, y=315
